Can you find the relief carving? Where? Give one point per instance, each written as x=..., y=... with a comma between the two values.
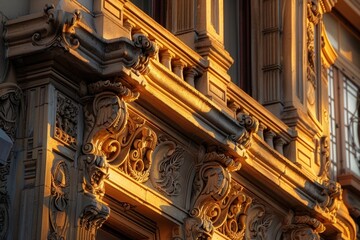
x=105, y=117
x=302, y=227
x=250, y=125
x=332, y=198
x=134, y=54
x=215, y=201
x=59, y=202
x=66, y=121
x=10, y=98
x=167, y=171
x=259, y=222
x=235, y=207
x=313, y=18
x=60, y=29
x=137, y=145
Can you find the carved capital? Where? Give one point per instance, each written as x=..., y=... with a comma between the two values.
x=302, y=227
x=60, y=31
x=215, y=201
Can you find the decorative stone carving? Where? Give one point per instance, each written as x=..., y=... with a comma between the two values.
x=137, y=145
x=210, y=200
x=250, y=125
x=332, y=198
x=313, y=18
x=167, y=171
x=259, y=222
x=324, y=158
x=4, y=201
x=60, y=30
x=302, y=227
x=105, y=117
x=10, y=98
x=59, y=201
x=235, y=207
x=134, y=54
x=94, y=215
x=66, y=121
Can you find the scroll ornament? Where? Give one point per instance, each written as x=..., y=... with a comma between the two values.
x=60, y=29
x=212, y=204
x=302, y=227
x=106, y=116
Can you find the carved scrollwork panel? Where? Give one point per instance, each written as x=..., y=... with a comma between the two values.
x=259, y=222
x=66, y=123
x=216, y=202
x=169, y=158
x=59, y=201
x=10, y=99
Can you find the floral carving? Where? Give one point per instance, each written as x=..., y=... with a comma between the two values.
x=302, y=227
x=211, y=189
x=258, y=222
x=61, y=29
x=66, y=121
x=168, y=169
x=59, y=201
x=94, y=215
x=10, y=98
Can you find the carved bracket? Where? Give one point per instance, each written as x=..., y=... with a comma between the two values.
x=61, y=29
x=215, y=200
x=302, y=227
x=106, y=116
x=332, y=197
x=250, y=125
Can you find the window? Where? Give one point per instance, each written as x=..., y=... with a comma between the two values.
x=344, y=97
x=237, y=41
x=157, y=9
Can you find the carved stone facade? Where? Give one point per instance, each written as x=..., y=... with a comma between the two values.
x=123, y=129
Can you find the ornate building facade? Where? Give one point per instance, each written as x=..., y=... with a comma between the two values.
x=182, y=120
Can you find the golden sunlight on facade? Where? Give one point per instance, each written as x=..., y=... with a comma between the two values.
x=180, y=120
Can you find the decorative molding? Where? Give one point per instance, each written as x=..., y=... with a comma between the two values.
x=169, y=158
x=302, y=227
x=325, y=158
x=66, y=125
x=59, y=202
x=10, y=99
x=213, y=196
x=61, y=29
